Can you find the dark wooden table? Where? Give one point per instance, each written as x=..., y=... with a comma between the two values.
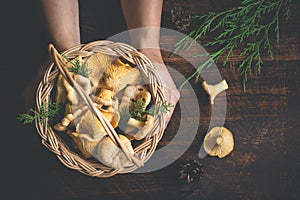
x=265, y=121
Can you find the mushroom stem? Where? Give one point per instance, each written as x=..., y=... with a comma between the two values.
x=136, y=123
x=143, y=127
x=64, y=123
x=214, y=90
x=220, y=140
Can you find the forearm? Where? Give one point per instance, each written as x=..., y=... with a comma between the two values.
x=144, y=14
x=62, y=18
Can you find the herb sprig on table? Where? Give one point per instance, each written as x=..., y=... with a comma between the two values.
x=47, y=111
x=247, y=27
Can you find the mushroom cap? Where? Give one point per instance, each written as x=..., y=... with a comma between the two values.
x=89, y=132
x=89, y=124
x=131, y=78
x=218, y=142
x=107, y=98
x=118, y=75
x=98, y=63
x=106, y=95
x=111, y=155
x=72, y=96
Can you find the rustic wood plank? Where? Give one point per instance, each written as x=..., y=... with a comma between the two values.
x=264, y=120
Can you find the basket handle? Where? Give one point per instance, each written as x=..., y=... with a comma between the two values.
x=59, y=61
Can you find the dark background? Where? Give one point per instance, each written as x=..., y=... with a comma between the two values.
x=265, y=119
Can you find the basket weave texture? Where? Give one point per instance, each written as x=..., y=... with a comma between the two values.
x=44, y=96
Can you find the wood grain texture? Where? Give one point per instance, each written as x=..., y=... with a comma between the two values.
x=264, y=120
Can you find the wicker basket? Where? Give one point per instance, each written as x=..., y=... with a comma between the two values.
x=44, y=95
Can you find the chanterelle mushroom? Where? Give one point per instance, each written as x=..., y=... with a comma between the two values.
x=214, y=90
x=89, y=131
x=133, y=94
x=111, y=155
x=218, y=142
x=118, y=75
x=98, y=63
x=65, y=92
x=70, y=116
x=143, y=127
x=106, y=98
x=72, y=96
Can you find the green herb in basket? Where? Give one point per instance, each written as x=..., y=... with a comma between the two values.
x=47, y=111
x=138, y=113
x=78, y=67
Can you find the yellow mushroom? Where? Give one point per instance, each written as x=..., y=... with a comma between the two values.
x=133, y=94
x=118, y=75
x=214, y=90
x=98, y=63
x=65, y=92
x=72, y=96
x=142, y=127
x=70, y=116
x=89, y=131
x=218, y=142
x=106, y=98
x=109, y=154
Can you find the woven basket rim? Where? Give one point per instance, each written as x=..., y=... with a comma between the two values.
x=56, y=145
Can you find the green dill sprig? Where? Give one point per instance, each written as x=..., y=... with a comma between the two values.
x=78, y=67
x=161, y=107
x=47, y=111
x=247, y=27
x=138, y=109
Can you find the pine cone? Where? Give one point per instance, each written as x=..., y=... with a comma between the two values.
x=191, y=171
x=181, y=19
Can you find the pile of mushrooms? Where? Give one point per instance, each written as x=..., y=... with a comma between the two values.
x=109, y=79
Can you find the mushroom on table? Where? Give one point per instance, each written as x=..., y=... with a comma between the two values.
x=218, y=142
x=214, y=90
